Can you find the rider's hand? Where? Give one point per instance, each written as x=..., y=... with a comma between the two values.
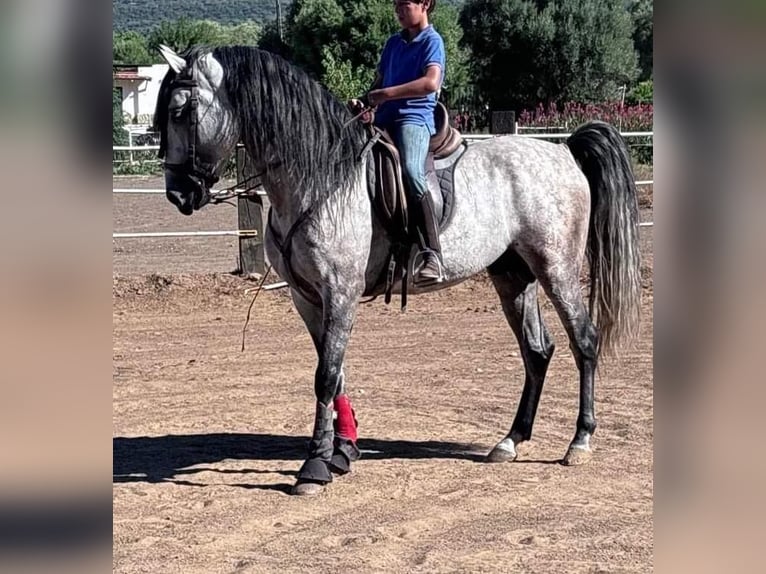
x=357, y=106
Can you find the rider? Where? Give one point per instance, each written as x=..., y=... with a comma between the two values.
x=408, y=79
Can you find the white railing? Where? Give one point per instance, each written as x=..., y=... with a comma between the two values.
x=469, y=137
x=561, y=135
x=135, y=148
x=128, y=152
x=236, y=233
x=541, y=129
x=151, y=191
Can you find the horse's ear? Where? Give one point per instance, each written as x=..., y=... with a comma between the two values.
x=176, y=62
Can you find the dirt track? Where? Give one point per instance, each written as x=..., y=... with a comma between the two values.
x=207, y=439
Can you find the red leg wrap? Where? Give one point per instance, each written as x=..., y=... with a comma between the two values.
x=346, y=419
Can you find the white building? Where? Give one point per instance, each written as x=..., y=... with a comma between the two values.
x=139, y=86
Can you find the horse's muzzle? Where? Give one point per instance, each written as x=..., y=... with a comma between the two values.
x=185, y=192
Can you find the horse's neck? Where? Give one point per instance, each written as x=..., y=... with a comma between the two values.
x=278, y=189
x=287, y=200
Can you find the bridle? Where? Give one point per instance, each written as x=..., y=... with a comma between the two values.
x=191, y=165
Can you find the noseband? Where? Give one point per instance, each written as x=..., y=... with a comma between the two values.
x=190, y=166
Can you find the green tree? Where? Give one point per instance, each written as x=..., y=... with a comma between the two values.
x=184, y=33
x=593, y=47
x=143, y=15
x=642, y=13
x=527, y=52
x=312, y=26
x=271, y=41
x=243, y=34
x=340, y=42
x=131, y=48
x=457, y=80
x=343, y=79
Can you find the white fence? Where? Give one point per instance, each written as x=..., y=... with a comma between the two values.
x=251, y=233
x=467, y=137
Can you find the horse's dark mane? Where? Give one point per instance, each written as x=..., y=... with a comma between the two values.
x=285, y=116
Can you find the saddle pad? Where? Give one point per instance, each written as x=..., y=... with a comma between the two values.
x=444, y=170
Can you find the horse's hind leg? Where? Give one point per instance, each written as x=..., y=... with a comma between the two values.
x=561, y=284
x=517, y=289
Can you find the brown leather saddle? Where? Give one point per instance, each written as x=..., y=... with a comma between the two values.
x=389, y=194
x=387, y=189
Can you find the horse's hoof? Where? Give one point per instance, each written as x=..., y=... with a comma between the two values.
x=505, y=451
x=307, y=488
x=577, y=456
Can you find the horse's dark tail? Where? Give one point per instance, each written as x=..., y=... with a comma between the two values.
x=613, y=242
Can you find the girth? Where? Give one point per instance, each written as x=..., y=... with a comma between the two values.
x=285, y=249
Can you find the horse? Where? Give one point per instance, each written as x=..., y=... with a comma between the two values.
x=526, y=211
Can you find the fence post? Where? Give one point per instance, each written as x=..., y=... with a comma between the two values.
x=130, y=145
x=252, y=258
x=503, y=122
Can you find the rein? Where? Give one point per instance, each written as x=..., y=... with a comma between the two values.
x=237, y=190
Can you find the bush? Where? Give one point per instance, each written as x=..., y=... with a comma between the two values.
x=643, y=93
x=628, y=118
x=635, y=118
x=119, y=135
x=146, y=163
x=137, y=168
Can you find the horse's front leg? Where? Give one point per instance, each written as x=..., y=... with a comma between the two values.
x=330, y=328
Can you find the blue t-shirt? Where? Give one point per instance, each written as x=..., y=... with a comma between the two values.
x=403, y=62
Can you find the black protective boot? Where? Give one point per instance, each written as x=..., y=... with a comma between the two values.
x=431, y=271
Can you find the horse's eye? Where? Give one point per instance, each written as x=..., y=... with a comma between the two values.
x=177, y=113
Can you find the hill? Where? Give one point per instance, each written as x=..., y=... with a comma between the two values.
x=142, y=15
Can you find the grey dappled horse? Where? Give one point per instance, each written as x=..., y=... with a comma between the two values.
x=526, y=210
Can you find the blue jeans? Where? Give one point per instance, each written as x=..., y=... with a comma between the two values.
x=412, y=142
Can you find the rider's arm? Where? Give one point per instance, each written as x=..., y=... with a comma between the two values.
x=428, y=83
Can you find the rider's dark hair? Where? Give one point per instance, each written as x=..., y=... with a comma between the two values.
x=431, y=5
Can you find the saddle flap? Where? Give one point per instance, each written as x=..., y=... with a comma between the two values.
x=389, y=199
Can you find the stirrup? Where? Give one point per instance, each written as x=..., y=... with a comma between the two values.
x=417, y=268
